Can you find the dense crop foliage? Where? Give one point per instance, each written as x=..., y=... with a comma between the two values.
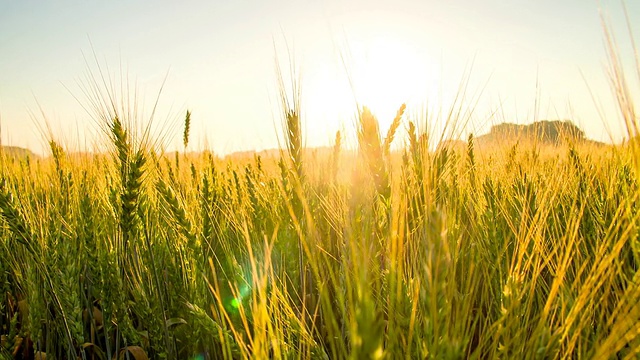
x=523, y=248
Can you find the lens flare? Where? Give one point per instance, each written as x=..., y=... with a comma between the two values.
x=237, y=301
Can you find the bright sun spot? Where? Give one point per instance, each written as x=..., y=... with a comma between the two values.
x=381, y=73
x=391, y=73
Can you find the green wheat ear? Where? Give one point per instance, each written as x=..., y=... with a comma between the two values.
x=187, y=126
x=471, y=158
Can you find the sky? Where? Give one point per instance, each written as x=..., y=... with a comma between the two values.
x=521, y=61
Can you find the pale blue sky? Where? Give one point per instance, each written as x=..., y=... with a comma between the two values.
x=220, y=61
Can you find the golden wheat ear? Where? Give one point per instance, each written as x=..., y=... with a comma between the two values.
x=392, y=129
x=371, y=150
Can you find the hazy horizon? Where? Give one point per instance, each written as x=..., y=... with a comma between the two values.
x=529, y=61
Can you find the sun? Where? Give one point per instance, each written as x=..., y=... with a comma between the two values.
x=387, y=73
x=381, y=72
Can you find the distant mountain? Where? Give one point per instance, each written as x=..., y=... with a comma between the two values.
x=552, y=132
x=275, y=153
x=251, y=153
x=16, y=151
x=549, y=132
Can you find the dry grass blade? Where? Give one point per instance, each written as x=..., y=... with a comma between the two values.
x=134, y=353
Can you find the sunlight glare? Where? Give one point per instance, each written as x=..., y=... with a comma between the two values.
x=391, y=73
x=381, y=73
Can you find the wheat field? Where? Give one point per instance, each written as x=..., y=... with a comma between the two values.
x=431, y=249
